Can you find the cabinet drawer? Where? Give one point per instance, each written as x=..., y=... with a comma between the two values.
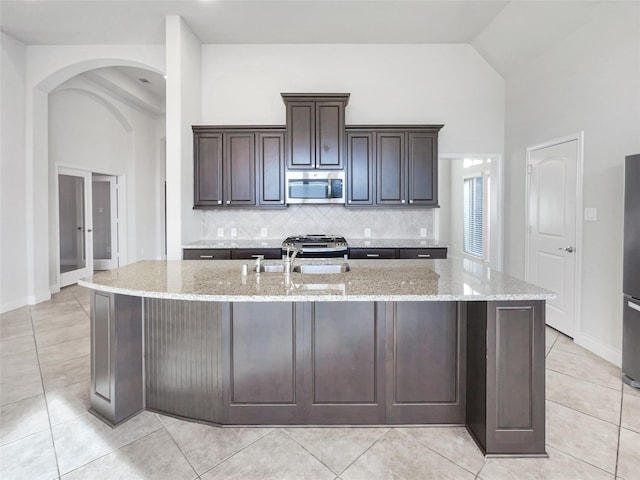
x=206, y=254
x=249, y=253
x=425, y=253
x=372, y=253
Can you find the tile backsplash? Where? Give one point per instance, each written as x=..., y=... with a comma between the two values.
x=248, y=223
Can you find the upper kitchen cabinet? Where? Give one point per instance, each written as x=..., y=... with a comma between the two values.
x=315, y=130
x=238, y=166
x=391, y=165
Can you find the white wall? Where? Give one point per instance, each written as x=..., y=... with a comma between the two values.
x=94, y=131
x=13, y=230
x=589, y=82
x=183, y=110
x=420, y=84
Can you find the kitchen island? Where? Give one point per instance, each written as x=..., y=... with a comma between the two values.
x=393, y=342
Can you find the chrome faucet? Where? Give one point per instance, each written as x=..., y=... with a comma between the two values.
x=288, y=260
x=259, y=259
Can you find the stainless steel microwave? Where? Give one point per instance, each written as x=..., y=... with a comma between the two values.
x=325, y=186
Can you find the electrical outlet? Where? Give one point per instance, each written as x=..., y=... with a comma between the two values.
x=234, y=231
x=591, y=214
x=367, y=232
x=220, y=231
x=423, y=232
x=263, y=232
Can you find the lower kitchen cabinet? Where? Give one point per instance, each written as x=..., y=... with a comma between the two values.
x=206, y=254
x=403, y=253
x=251, y=253
x=424, y=253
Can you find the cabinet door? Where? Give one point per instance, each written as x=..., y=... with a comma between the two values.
x=329, y=143
x=240, y=184
x=207, y=169
x=251, y=253
x=390, y=168
x=262, y=374
x=425, y=363
x=422, y=159
x=360, y=168
x=345, y=368
x=270, y=158
x=301, y=137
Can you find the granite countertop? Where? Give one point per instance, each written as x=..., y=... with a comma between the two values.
x=368, y=280
x=353, y=243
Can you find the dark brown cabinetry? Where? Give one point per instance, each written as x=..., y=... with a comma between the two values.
x=249, y=253
x=206, y=254
x=404, y=253
x=238, y=166
x=315, y=130
x=392, y=165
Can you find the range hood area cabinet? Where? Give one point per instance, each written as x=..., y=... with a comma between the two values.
x=315, y=130
x=392, y=165
x=238, y=166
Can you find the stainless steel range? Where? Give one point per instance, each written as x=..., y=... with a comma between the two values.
x=317, y=246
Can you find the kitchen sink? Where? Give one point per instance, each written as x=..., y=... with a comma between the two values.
x=322, y=268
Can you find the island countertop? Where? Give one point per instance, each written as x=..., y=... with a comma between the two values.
x=453, y=279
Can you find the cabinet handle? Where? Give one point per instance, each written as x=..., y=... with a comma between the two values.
x=206, y=256
x=424, y=255
x=373, y=255
x=634, y=306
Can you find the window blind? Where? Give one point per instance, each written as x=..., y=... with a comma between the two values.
x=473, y=228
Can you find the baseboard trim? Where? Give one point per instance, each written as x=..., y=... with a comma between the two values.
x=41, y=297
x=14, y=304
x=605, y=351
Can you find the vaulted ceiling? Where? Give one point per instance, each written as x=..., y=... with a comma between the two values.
x=506, y=33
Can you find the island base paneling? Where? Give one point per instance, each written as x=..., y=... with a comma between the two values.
x=334, y=363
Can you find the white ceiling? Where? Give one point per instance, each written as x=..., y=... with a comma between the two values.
x=506, y=33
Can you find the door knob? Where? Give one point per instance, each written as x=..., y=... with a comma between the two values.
x=566, y=249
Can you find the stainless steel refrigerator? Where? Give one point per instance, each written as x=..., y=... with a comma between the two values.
x=631, y=275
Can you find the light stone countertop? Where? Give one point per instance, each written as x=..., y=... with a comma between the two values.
x=353, y=243
x=452, y=279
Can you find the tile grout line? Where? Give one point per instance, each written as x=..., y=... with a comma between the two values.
x=179, y=448
x=44, y=394
x=359, y=456
x=619, y=431
x=309, y=452
x=440, y=454
x=582, y=413
x=581, y=378
x=237, y=452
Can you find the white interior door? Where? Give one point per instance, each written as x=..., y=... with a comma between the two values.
x=75, y=225
x=105, y=222
x=551, y=248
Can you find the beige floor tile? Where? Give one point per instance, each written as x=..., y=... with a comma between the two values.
x=594, y=370
x=558, y=466
x=595, y=400
x=76, y=316
x=567, y=344
x=61, y=374
x=550, y=337
x=629, y=455
x=155, y=456
x=68, y=402
x=631, y=390
x=15, y=345
x=23, y=418
x=396, y=456
x=631, y=413
x=205, y=446
x=64, y=351
x=275, y=456
x=63, y=334
x=166, y=419
x=18, y=313
x=84, y=439
x=454, y=443
x=17, y=326
x=584, y=437
x=24, y=363
x=337, y=448
x=30, y=458
x=19, y=387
